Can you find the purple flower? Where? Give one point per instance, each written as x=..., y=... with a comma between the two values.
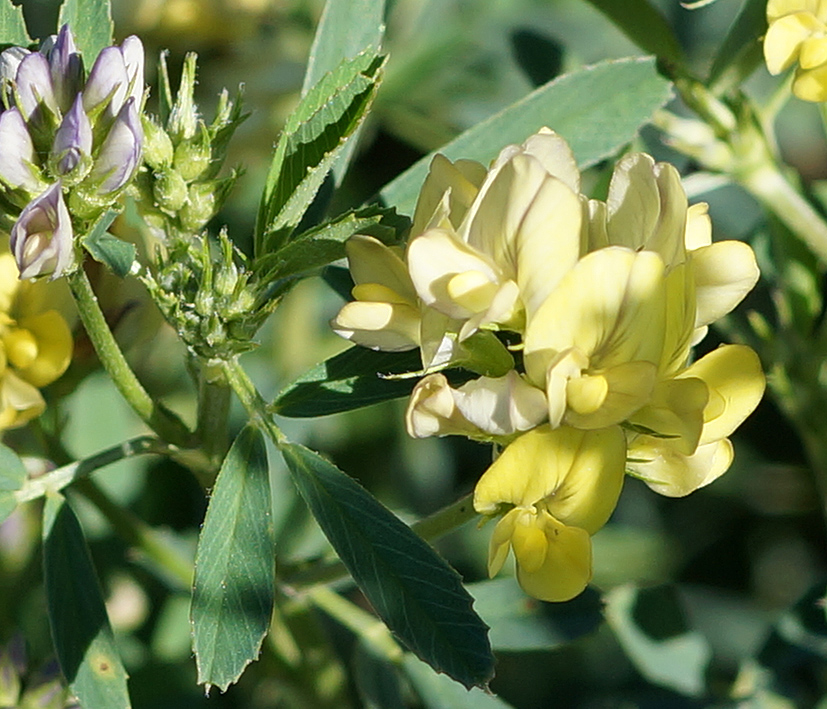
x=116, y=75
x=73, y=140
x=120, y=154
x=41, y=238
x=10, y=61
x=17, y=155
x=34, y=86
x=65, y=65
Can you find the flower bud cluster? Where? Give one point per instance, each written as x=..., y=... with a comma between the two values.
x=181, y=190
x=35, y=346
x=71, y=143
x=207, y=297
x=604, y=300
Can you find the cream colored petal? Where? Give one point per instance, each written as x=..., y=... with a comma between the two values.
x=593, y=234
x=633, y=202
x=779, y=8
x=53, y=348
x=438, y=338
x=676, y=412
x=567, y=565
x=504, y=309
x=555, y=156
x=378, y=326
x=736, y=384
x=628, y=387
x=811, y=85
x=371, y=261
x=679, y=321
x=673, y=474
x=724, y=273
x=501, y=406
x=462, y=178
x=698, y=226
x=434, y=259
x=782, y=42
x=9, y=281
x=610, y=307
x=431, y=410
x=813, y=52
x=577, y=475
x=669, y=237
x=562, y=368
x=500, y=543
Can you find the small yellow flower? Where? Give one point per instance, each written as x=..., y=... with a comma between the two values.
x=561, y=487
x=798, y=33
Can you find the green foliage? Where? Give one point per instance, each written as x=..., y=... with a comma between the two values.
x=12, y=25
x=81, y=633
x=574, y=105
x=233, y=592
x=741, y=52
x=116, y=254
x=441, y=692
x=91, y=23
x=12, y=478
x=418, y=596
x=310, y=142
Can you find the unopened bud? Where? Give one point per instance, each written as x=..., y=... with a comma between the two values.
x=193, y=155
x=157, y=145
x=170, y=190
x=200, y=207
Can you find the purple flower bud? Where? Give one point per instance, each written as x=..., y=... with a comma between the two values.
x=108, y=82
x=73, y=139
x=66, y=67
x=133, y=57
x=17, y=156
x=41, y=238
x=10, y=61
x=120, y=154
x=34, y=86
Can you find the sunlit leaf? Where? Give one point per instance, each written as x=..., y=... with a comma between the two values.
x=12, y=25
x=577, y=105
x=81, y=632
x=234, y=565
x=418, y=596
x=91, y=24
x=12, y=478
x=116, y=254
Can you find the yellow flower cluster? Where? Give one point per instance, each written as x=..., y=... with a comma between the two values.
x=798, y=34
x=605, y=299
x=35, y=346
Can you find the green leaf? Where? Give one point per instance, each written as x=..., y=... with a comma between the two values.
x=114, y=253
x=312, y=139
x=596, y=109
x=645, y=26
x=12, y=25
x=741, y=51
x=346, y=28
x=376, y=680
x=418, y=596
x=520, y=623
x=441, y=692
x=81, y=633
x=91, y=23
x=800, y=632
x=12, y=478
x=326, y=243
x=650, y=626
x=232, y=598
x=347, y=381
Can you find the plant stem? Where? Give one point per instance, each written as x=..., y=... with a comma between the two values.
x=163, y=422
x=177, y=568
x=213, y=409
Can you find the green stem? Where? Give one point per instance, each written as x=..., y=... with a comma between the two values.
x=213, y=410
x=177, y=568
x=59, y=478
x=164, y=423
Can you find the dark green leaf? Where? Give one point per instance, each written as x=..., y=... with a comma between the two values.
x=81, y=633
x=116, y=254
x=645, y=26
x=520, y=623
x=348, y=381
x=232, y=598
x=741, y=51
x=309, y=144
x=650, y=626
x=12, y=478
x=326, y=243
x=441, y=692
x=91, y=23
x=376, y=680
x=418, y=596
x=538, y=55
x=346, y=28
x=596, y=109
x=12, y=25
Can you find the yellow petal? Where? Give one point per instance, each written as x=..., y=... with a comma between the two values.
x=54, y=348
x=555, y=155
x=586, y=394
x=9, y=281
x=811, y=85
x=698, y=226
x=671, y=473
x=724, y=273
x=529, y=542
x=736, y=383
x=462, y=178
x=567, y=565
x=378, y=326
x=782, y=42
x=20, y=402
x=371, y=261
x=471, y=290
x=376, y=293
x=779, y=8
x=500, y=542
x=813, y=52
x=577, y=475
